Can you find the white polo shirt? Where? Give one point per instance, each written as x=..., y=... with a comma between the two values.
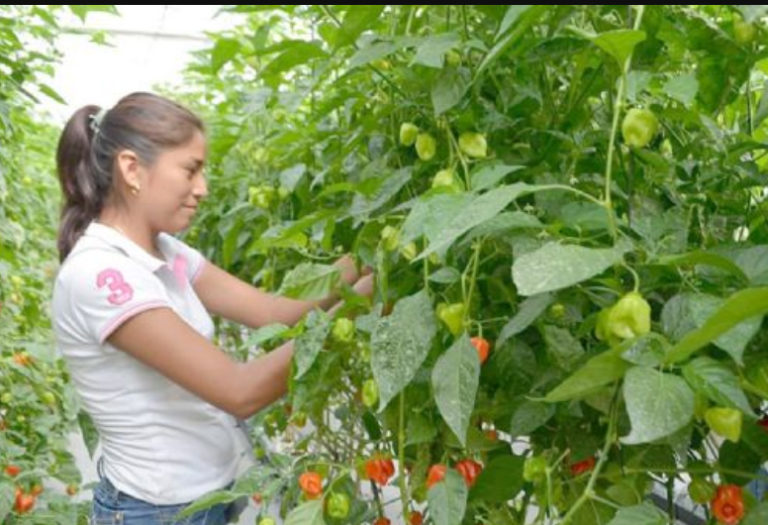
x=161, y=443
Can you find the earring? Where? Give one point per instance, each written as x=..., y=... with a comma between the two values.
x=134, y=190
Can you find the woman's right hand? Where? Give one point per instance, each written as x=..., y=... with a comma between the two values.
x=364, y=285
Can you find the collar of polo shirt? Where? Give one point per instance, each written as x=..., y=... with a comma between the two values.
x=126, y=245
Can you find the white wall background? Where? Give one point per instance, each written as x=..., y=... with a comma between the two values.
x=148, y=45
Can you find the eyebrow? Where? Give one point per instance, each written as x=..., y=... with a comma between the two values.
x=197, y=162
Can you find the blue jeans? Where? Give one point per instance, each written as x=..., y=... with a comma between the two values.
x=758, y=487
x=112, y=507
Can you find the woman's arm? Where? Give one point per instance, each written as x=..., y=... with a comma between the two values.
x=160, y=339
x=225, y=295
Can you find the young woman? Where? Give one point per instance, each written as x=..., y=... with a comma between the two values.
x=131, y=309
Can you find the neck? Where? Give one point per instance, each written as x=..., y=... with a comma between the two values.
x=134, y=230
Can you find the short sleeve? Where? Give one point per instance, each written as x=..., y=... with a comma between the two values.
x=191, y=259
x=102, y=290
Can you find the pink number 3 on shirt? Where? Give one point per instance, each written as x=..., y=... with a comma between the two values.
x=121, y=290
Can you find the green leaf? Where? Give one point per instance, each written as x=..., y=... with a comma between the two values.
x=448, y=89
x=683, y=88
x=500, y=481
x=510, y=17
x=658, y=404
x=208, y=501
x=706, y=258
x=637, y=82
x=82, y=10
x=448, y=499
x=51, y=93
x=371, y=425
x=231, y=242
x=757, y=516
x=512, y=366
x=628, y=491
x=309, y=344
x=6, y=499
x=310, y=282
x=66, y=469
x=676, y=317
x=563, y=349
x=643, y=514
x=521, y=19
x=646, y=350
x=310, y=513
x=296, y=52
x=445, y=275
x=599, y=371
x=717, y=382
x=593, y=512
x=290, y=177
x=284, y=234
x=740, y=307
x=400, y=343
x=480, y=209
x=753, y=260
x=89, y=432
x=265, y=333
x=489, y=175
x=619, y=43
x=362, y=205
x=527, y=416
x=737, y=457
x=223, y=51
x=530, y=310
x=455, y=379
x=368, y=54
x=255, y=477
x=762, y=108
x=430, y=214
x=419, y=429
x=500, y=225
x=756, y=438
x=584, y=215
x=752, y=13
x=432, y=49
x=555, y=266
x=357, y=19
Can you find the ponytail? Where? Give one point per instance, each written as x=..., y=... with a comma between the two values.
x=84, y=193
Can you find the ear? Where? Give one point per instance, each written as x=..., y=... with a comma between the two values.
x=129, y=168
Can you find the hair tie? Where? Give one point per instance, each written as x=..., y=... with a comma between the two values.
x=96, y=119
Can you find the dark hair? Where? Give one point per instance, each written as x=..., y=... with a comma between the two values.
x=85, y=158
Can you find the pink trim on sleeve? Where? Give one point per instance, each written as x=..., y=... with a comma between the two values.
x=199, y=269
x=134, y=310
x=180, y=270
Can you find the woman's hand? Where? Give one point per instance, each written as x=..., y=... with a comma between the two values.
x=364, y=285
x=348, y=268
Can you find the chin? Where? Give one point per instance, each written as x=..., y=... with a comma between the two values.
x=176, y=227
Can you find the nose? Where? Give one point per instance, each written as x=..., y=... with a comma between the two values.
x=200, y=191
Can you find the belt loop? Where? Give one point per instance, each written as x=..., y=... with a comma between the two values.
x=100, y=467
x=113, y=491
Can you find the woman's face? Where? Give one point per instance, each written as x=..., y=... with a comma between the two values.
x=175, y=186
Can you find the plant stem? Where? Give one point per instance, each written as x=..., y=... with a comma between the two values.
x=617, y=107
x=404, y=496
x=468, y=299
x=610, y=435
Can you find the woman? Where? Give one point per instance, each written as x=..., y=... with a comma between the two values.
x=131, y=308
